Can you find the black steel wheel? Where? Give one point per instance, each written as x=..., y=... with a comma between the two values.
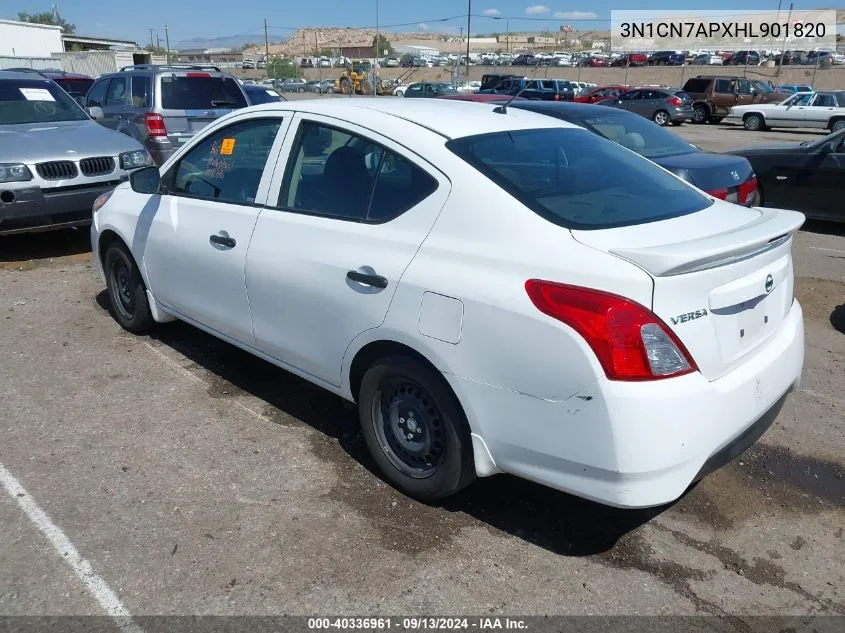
x=126, y=290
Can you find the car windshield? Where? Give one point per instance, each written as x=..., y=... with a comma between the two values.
x=578, y=180
x=797, y=99
x=636, y=133
x=200, y=92
x=837, y=137
x=36, y=101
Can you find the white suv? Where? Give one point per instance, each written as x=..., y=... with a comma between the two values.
x=498, y=290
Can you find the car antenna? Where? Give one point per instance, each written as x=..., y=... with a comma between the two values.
x=503, y=109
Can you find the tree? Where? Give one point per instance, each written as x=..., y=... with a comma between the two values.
x=327, y=52
x=48, y=17
x=156, y=50
x=384, y=46
x=280, y=68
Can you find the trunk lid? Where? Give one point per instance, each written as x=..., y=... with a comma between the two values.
x=723, y=279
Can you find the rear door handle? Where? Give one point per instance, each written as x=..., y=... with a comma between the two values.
x=222, y=240
x=376, y=281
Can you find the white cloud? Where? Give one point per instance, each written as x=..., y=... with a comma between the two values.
x=576, y=15
x=536, y=9
x=491, y=12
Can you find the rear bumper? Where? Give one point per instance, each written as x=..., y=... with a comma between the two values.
x=637, y=444
x=36, y=209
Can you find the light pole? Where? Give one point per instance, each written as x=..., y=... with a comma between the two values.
x=378, y=50
x=469, y=22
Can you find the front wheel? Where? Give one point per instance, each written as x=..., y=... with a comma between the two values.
x=661, y=117
x=699, y=114
x=838, y=125
x=126, y=290
x=415, y=429
x=753, y=122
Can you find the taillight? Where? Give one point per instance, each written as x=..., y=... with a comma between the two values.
x=557, y=97
x=155, y=124
x=629, y=340
x=747, y=190
x=675, y=101
x=722, y=194
x=197, y=75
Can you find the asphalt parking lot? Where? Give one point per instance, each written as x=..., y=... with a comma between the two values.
x=196, y=479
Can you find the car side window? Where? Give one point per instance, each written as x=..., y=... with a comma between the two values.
x=630, y=95
x=723, y=86
x=802, y=100
x=97, y=95
x=118, y=93
x=141, y=89
x=744, y=87
x=416, y=88
x=824, y=101
x=338, y=174
x=227, y=165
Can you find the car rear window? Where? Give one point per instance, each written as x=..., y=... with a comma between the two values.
x=696, y=85
x=577, y=179
x=200, y=93
x=75, y=87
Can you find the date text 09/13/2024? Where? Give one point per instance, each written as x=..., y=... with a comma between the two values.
x=417, y=623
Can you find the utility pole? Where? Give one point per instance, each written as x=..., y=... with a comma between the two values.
x=151, y=37
x=783, y=48
x=266, y=44
x=378, y=50
x=508, y=36
x=167, y=41
x=469, y=23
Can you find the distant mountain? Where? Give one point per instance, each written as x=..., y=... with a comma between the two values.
x=232, y=41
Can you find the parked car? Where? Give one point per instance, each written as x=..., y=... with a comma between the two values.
x=526, y=60
x=539, y=89
x=257, y=94
x=391, y=62
x=821, y=110
x=792, y=88
x=399, y=91
x=726, y=177
x=324, y=62
x=261, y=64
x=481, y=98
x=666, y=58
x=430, y=90
x=74, y=84
x=661, y=105
x=707, y=60
x=594, y=95
x=54, y=160
x=624, y=286
x=630, y=59
x=306, y=62
x=292, y=85
x=790, y=58
x=713, y=96
x=248, y=64
x=469, y=87
x=806, y=176
x=744, y=58
x=163, y=106
x=594, y=61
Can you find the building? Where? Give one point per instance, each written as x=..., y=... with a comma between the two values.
x=212, y=56
x=22, y=39
x=85, y=43
x=416, y=51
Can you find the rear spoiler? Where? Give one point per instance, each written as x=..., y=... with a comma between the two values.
x=771, y=229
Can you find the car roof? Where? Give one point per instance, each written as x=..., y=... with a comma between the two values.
x=448, y=118
x=7, y=74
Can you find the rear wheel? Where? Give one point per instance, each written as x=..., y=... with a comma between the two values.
x=699, y=114
x=661, y=117
x=837, y=125
x=415, y=429
x=126, y=290
x=346, y=87
x=753, y=122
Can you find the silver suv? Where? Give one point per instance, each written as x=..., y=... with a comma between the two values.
x=54, y=160
x=163, y=106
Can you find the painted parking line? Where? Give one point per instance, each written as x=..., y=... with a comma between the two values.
x=95, y=585
x=828, y=250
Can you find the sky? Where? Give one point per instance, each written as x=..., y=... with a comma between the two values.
x=224, y=18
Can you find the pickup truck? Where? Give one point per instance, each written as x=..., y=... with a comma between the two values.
x=713, y=96
x=536, y=89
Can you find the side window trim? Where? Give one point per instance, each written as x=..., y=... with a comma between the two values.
x=105, y=82
x=270, y=167
x=291, y=143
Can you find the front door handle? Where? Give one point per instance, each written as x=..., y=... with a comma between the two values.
x=376, y=281
x=222, y=240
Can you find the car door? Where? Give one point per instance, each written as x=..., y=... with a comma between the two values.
x=643, y=103
x=96, y=96
x=344, y=219
x=794, y=114
x=415, y=90
x=117, y=100
x=816, y=182
x=198, y=229
x=627, y=101
x=819, y=112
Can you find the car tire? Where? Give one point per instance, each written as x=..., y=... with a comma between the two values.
x=661, y=117
x=753, y=123
x=677, y=123
x=126, y=290
x=300, y=90
x=700, y=114
x=837, y=125
x=401, y=396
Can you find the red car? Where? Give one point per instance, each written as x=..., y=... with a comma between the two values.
x=631, y=59
x=600, y=93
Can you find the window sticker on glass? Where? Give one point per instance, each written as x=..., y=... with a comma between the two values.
x=36, y=94
x=227, y=147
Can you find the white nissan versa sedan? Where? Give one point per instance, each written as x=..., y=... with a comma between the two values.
x=499, y=291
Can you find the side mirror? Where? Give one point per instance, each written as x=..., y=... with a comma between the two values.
x=146, y=180
x=828, y=147
x=96, y=113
